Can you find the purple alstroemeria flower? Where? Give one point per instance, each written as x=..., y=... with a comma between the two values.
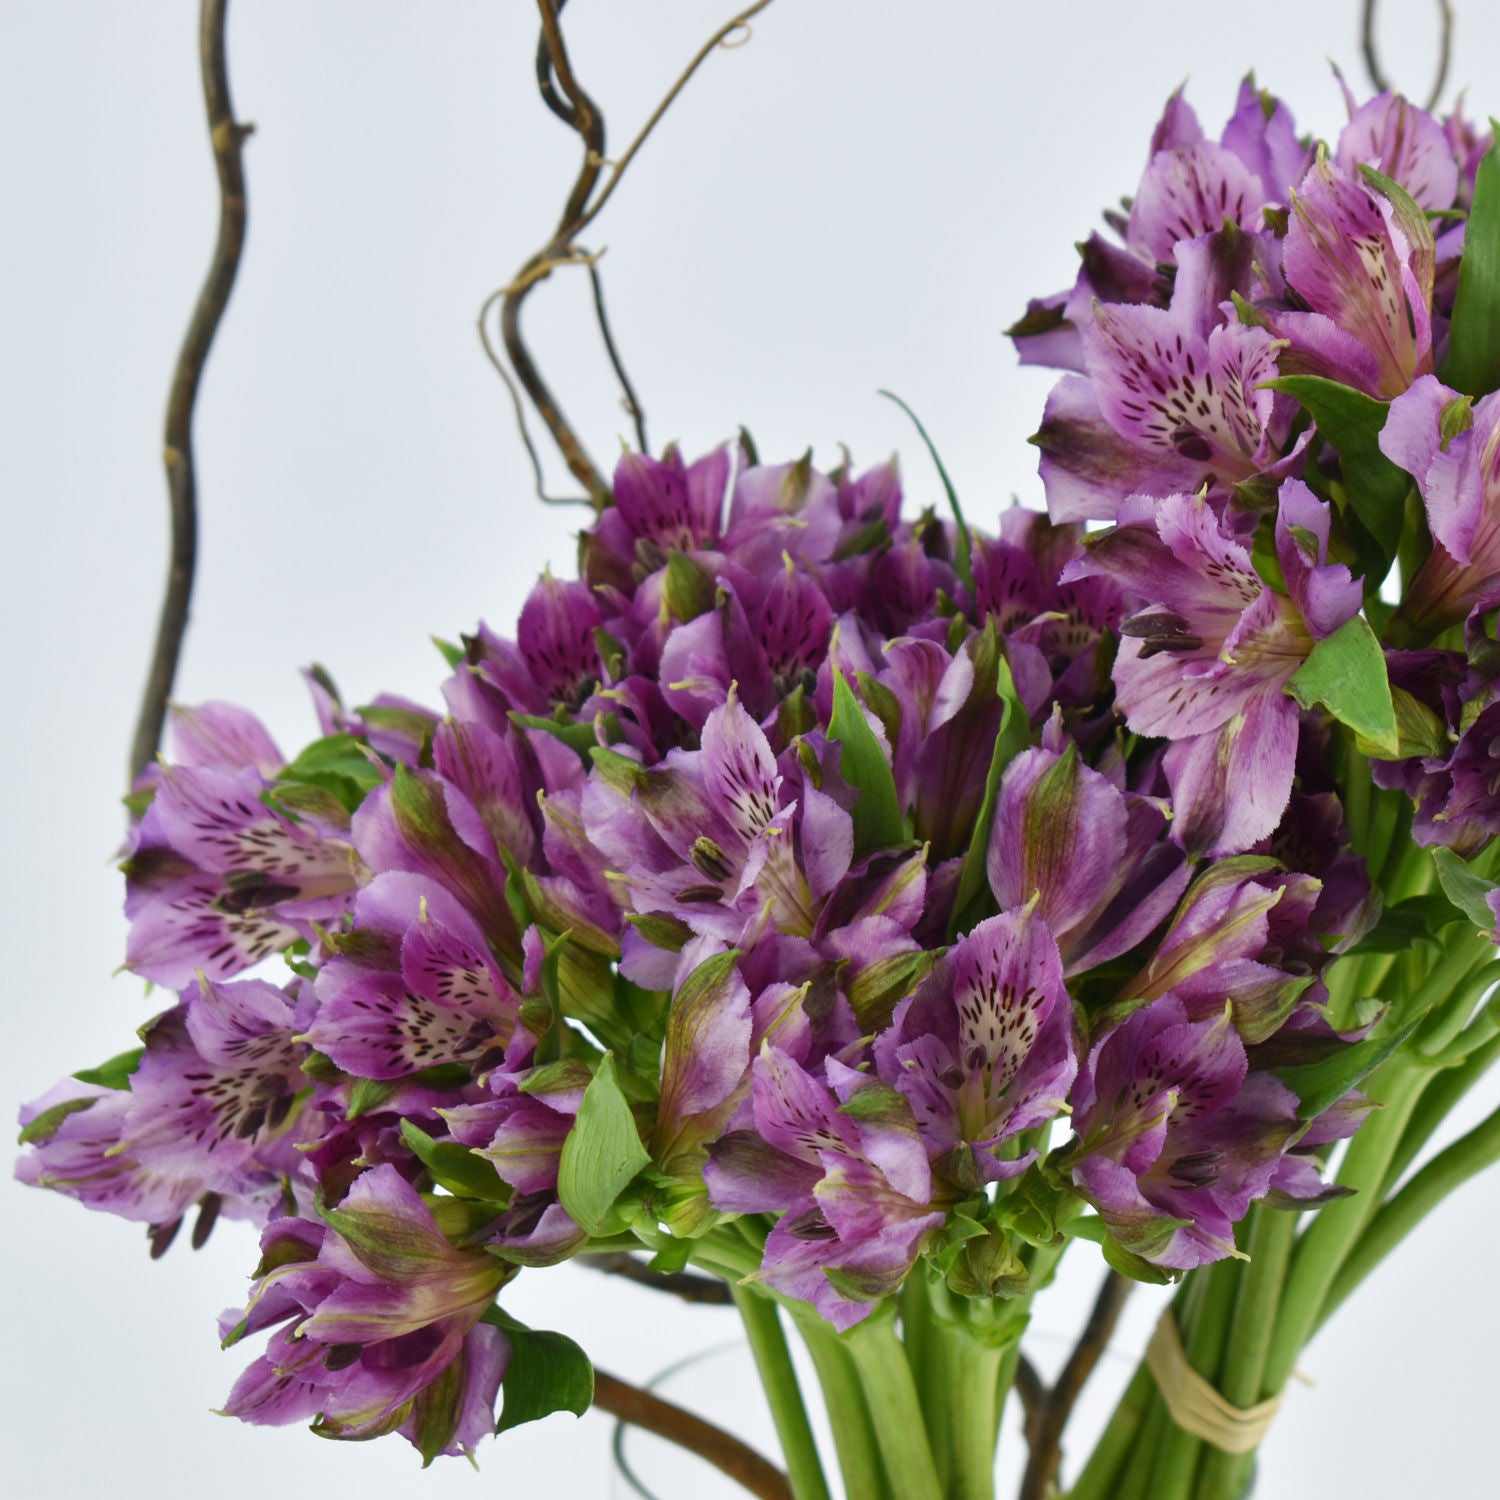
x=1175, y=1140
x=412, y=986
x=382, y=1324
x=1404, y=143
x=1190, y=187
x=1450, y=445
x=1205, y=664
x=1218, y=945
x=1174, y=398
x=217, y=1105
x=1362, y=264
x=843, y=1163
x=984, y=1050
x=1096, y=860
x=217, y=879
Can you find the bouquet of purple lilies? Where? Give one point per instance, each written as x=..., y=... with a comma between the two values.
x=845, y=912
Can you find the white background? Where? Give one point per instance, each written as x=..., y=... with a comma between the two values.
x=863, y=196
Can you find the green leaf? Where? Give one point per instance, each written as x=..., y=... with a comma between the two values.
x=963, y=562
x=877, y=815
x=1345, y=672
x=1128, y=1263
x=1351, y=421
x=455, y=1167
x=602, y=1152
x=453, y=655
x=1464, y=888
x=1014, y=736
x=547, y=1372
x=115, y=1074
x=339, y=764
x=369, y=1094
x=1406, y=923
x=577, y=735
x=1473, y=363
x=687, y=590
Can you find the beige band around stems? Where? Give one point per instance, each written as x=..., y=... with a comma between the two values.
x=1194, y=1404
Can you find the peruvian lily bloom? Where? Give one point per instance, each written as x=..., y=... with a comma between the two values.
x=1096, y=860
x=1362, y=263
x=1174, y=398
x=412, y=986
x=984, y=1050
x=843, y=1163
x=1175, y=1140
x=1450, y=444
x=383, y=1324
x=1206, y=662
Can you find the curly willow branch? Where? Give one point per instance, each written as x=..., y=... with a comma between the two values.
x=226, y=137
x=1372, y=54
x=563, y=94
x=726, y=1453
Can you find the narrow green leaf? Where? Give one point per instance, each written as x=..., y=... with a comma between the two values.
x=964, y=561
x=602, y=1153
x=1014, y=736
x=114, y=1074
x=1406, y=923
x=547, y=1372
x=455, y=1167
x=877, y=815
x=1345, y=672
x=1473, y=363
x=577, y=735
x=1464, y=888
x=1351, y=422
x=453, y=655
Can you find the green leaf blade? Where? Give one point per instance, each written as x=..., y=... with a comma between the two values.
x=1346, y=673
x=877, y=814
x=1473, y=364
x=602, y=1153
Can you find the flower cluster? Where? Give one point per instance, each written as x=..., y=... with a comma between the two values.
x=839, y=889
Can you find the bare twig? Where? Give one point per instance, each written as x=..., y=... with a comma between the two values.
x=683, y=1284
x=727, y=1453
x=1045, y=1429
x=1372, y=54
x=1029, y=1387
x=226, y=137
x=737, y=24
x=569, y=101
x=632, y=401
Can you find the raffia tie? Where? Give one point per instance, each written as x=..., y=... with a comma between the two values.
x=1194, y=1404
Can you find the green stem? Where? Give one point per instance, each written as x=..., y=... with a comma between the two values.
x=1449, y=1169
x=1322, y=1248
x=1437, y=1102
x=778, y=1379
x=891, y=1395
x=1099, y=1475
x=1178, y=1452
x=849, y=1416
x=923, y=1341
x=973, y=1385
x=1451, y=1016
x=1223, y=1476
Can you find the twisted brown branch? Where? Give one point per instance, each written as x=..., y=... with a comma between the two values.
x=226, y=138
x=566, y=97
x=684, y=1284
x=725, y=1452
x=1372, y=53
x=1046, y=1421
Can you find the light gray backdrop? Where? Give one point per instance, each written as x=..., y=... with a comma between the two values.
x=863, y=196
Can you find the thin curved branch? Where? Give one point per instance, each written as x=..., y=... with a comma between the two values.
x=684, y=1284
x=1033, y=1394
x=632, y=402
x=741, y=22
x=226, y=138
x=566, y=97
x=749, y=1469
x=1372, y=52
x=1044, y=1432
